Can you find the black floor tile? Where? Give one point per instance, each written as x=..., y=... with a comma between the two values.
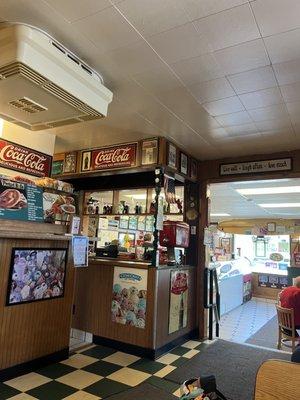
x=149, y=366
x=102, y=368
x=52, y=391
x=55, y=371
x=106, y=387
x=99, y=352
x=6, y=391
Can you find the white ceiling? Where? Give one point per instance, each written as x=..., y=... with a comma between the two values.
x=225, y=199
x=219, y=77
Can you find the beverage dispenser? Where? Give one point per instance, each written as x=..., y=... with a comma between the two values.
x=175, y=234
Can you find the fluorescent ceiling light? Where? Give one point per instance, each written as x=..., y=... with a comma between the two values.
x=262, y=181
x=269, y=190
x=136, y=196
x=219, y=215
x=279, y=205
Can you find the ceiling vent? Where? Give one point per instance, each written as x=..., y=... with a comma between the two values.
x=44, y=85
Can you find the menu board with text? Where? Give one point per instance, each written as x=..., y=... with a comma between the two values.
x=20, y=201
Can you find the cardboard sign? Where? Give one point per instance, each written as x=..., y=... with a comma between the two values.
x=23, y=159
x=121, y=156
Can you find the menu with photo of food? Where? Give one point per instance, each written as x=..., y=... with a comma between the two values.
x=20, y=201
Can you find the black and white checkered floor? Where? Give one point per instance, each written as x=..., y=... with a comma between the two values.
x=98, y=372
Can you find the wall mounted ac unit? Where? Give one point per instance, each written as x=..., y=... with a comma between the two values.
x=43, y=85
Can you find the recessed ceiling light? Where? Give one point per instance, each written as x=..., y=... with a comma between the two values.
x=279, y=205
x=219, y=215
x=269, y=190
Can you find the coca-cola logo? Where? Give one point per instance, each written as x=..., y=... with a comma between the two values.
x=121, y=155
x=115, y=157
x=21, y=158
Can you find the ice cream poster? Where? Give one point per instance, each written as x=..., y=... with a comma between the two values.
x=129, y=302
x=179, y=289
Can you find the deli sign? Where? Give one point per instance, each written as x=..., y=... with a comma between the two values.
x=114, y=157
x=23, y=159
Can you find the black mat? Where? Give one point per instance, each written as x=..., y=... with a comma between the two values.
x=145, y=391
x=267, y=336
x=234, y=365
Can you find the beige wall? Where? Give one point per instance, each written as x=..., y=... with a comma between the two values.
x=41, y=141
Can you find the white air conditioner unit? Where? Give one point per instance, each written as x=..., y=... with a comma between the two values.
x=43, y=85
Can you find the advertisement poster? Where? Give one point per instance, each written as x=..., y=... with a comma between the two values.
x=23, y=159
x=114, y=157
x=20, y=201
x=179, y=291
x=58, y=207
x=129, y=303
x=273, y=281
x=36, y=274
x=149, y=151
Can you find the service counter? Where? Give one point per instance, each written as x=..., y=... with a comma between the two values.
x=32, y=331
x=128, y=305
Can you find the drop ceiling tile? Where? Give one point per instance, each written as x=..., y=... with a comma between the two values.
x=287, y=72
x=179, y=43
x=284, y=46
x=198, y=9
x=223, y=106
x=243, y=57
x=261, y=98
x=294, y=111
x=157, y=80
x=237, y=118
x=256, y=79
x=107, y=29
x=135, y=58
x=275, y=16
x=218, y=133
x=236, y=25
x=274, y=124
x=244, y=129
x=212, y=90
x=150, y=17
x=291, y=92
x=72, y=12
x=267, y=113
x=198, y=69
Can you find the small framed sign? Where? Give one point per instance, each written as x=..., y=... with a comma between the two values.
x=70, y=162
x=194, y=169
x=271, y=226
x=171, y=156
x=149, y=151
x=183, y=163
x=85, y=161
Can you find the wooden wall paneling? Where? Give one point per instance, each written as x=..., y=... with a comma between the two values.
x=93, y=297
x=163, y=305
x=32, y=330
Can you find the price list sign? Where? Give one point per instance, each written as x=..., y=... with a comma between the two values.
x=19, y=201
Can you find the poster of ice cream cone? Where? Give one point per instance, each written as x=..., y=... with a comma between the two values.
x=179, y=289
x=129, y=302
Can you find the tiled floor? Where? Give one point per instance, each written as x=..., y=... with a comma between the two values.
x=97, y=372
x=242, y=322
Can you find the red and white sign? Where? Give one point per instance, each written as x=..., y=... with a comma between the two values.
x=23, y=159
x=114, y=157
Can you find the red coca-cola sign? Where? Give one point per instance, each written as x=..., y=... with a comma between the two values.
x=23, y=159
x=114, y=157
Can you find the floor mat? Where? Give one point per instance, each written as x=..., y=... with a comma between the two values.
x=145, y=391
x=234, y=365
x=267, y=336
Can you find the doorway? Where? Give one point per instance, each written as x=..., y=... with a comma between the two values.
x=253, y=227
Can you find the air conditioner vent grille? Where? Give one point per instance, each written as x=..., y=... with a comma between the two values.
x=18, y=68
x=27, y=105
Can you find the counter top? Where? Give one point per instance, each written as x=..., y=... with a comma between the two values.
x=117, y=262
x=32, y=235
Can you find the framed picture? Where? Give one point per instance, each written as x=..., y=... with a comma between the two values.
x=194, y=169
x=171, y=155
x=183, y=163
x=36, y=274
x=57, y=167
x=271, y=226
x=149, y=151
x=226, y=245
x=86, y=161
x=70, y=162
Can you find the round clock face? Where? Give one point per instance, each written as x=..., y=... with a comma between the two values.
x=191, y=214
